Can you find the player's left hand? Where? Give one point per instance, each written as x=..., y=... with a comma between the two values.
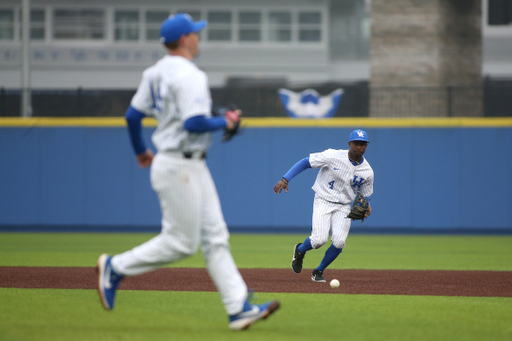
x=361, y=208
x=145, y=159
x=232, y=118
x=369, y=212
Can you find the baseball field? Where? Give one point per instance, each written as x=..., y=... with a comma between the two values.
x=393, y=287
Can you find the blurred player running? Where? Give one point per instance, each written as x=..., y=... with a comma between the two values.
x=176, y=93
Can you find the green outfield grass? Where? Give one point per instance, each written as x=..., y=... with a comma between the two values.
x=58, y=315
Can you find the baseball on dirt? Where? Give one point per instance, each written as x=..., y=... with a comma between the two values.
x=335, y=284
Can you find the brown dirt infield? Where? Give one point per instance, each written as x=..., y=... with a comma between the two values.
x=376, y=282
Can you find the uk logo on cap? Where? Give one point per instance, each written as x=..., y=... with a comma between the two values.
x=358, y=135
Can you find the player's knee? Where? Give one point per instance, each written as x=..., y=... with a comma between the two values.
x=210, y=250
x=339, y=244
x=318, y=242
x=191, y=251
x=185, y=248
x=218, y=243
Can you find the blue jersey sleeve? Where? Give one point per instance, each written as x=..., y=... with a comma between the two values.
x=201, y=124
x=134, y=119
x=297, y=168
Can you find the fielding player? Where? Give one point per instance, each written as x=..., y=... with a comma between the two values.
x=176, y=93
x=342, y=173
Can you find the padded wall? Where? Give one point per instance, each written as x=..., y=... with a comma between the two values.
x=427, y=178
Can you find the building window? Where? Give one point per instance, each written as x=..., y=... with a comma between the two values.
x=196, y=15
x=219, y=26
x=279, y=26
x=78, y=24
x=261, y=26
x=349, y=23
x=126, y=25
x=154, y=20
x=37, y=24
x=6, y=24
x=310, y=29
x=249, y=26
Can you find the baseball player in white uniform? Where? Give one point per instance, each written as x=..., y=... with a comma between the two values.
x=176, y=93
x=342, y=173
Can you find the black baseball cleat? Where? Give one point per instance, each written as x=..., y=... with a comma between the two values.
x=318, y=276
x=297, y=259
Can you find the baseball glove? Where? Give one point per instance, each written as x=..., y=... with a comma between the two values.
x=228, y=112
x=360, y=208
x=229, y=133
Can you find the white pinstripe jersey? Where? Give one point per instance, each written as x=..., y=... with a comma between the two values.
x=338, y=179
x=173, y=90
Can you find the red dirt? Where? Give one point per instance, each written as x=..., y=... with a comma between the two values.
x=376, y=282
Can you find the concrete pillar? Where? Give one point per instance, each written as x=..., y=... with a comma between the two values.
x=426, y=58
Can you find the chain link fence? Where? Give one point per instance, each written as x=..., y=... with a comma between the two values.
x=359, y=100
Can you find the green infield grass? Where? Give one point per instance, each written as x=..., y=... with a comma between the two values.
x=58, y=314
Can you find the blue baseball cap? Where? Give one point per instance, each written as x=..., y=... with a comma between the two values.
x=358, y=135
x=177, y=25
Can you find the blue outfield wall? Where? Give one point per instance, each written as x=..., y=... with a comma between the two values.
x=445, y=178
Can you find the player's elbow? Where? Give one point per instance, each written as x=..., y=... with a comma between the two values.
x=132, y=115
x=201, y=124
x=195, y=124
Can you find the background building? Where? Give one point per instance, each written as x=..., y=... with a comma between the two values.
x=87, y=58
x=105, y=45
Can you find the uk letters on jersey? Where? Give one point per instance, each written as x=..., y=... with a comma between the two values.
x=338, y=179
x=172, y=91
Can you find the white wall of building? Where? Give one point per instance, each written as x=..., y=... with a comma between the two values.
x=108, y=63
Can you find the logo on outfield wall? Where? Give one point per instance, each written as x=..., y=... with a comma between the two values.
x=309, y=103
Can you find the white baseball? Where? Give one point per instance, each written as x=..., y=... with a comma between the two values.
x=335, y=284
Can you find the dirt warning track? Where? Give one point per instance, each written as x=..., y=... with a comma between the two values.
x=376, y=282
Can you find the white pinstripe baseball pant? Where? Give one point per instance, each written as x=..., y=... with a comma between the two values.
x=191, y=215
x=329, y=217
